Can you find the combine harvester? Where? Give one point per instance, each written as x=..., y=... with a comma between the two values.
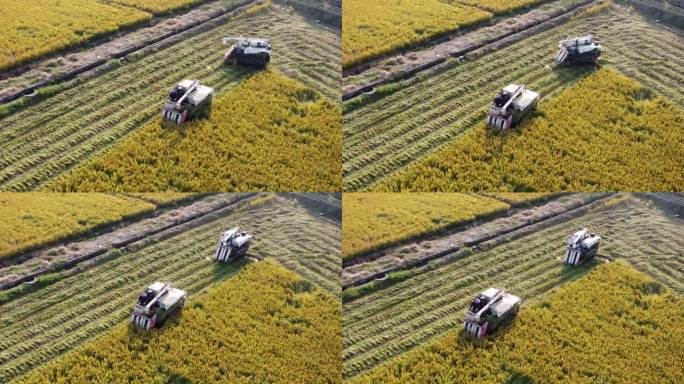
x=232, y=245
x=187, y=100
x=489, y=310
x=579, y=50
x=156, y=303
x=247, y=51
x=582, y=246
x=511, y=105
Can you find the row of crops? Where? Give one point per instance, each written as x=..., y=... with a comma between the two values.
x=373, y=220
x=431, y=110
x=44, y=324
x=82, y=121
x=613, y=325
x=265, y=324
x=390, y=321
x=32, y=219
x=604, y=133
x=264, y=134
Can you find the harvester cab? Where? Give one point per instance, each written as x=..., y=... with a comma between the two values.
x=155, y=304
x=232, y=245
x=247, y=51
x=579, y=50
x=489, y=310
x=582, y=246
x=187, y=100
x=511, y=106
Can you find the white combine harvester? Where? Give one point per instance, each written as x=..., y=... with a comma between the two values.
x=156, y=303
x=582, y=246
x=187, y=100
x=579, y=50
x=511, y=106
x=232, y=245
x=489, y=310
x=253, y=51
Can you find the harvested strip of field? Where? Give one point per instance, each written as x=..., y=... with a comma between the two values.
x=374, y=220
x=373, y=28
x=605, y=133
x=28, y=220
x=514, y=223
x=46, y=323
x=166, y=198
x=158, y=6
x=517, y=198
x=408, y=124
x=263, y=134
x=47, y=139
x=30, y=29
x=501, y=6
x=400, y=317
x=265, y=324
x=613, y=325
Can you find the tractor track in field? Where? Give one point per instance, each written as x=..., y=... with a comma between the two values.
x=383, y=324
x=152, y=227
x=389, y=133
x=365, y=77
x=41, y=325
x=47, y=139
x=513, y=224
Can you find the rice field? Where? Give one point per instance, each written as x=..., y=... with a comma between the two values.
x=392, y=320
x=44, y=324
x=426, y=113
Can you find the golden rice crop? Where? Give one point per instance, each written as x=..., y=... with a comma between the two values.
x=373, y=220
x=268, y=133
x=157, y=6
x=162, y=198
x=501, y=6
x=373, y=28
x=605, y=133
x=519, y=197
x=30, y=29
x=614, y=325
x=31, y=219
x=265, y=325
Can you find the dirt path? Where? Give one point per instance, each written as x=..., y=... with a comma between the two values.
x=515, y=224
x=163, y=224
x=365, y=77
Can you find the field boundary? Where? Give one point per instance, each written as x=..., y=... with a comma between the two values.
x=155, y=234
x=221, y=17
x=515, y=35
x=506, y=234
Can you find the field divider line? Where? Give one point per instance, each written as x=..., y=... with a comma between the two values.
x=515, y=35
x=138, y=47
x=511, y=233
x=159, y=233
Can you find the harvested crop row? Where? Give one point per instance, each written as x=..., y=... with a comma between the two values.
x=44, y=324
x=80, y=122
x=386, y=323
x=605, y=133
x=373, y=28
x=373, y=220
x=31, y=29
x=386, y=135
x=596, y=329
x=265, y=324
x=263, y=134
x=28, y=220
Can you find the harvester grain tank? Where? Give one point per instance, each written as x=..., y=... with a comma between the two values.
x=489, y=310
x=157, y=303
x=582, y=246
x=511, y=105
x=232, y=245
x=579, y=50
x=187, y=100
x=253, y=51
